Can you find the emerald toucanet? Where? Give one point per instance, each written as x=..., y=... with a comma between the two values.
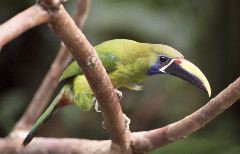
x=127, y=63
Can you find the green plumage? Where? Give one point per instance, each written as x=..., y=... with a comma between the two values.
x=126, y=62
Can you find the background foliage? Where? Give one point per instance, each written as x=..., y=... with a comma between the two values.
x=206, y=32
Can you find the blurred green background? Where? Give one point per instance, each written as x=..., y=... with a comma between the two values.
x=207, y=32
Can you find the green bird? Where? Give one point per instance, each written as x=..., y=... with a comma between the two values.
x=127, y=63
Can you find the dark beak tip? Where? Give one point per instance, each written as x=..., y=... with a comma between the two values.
x=176, y=70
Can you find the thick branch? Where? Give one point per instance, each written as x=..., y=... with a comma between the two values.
x=50, y=82
x=146, y=141
x=53, y=145
x=25, y=20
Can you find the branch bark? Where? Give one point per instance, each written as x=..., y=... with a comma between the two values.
x=50, y=81
x=22, y=22
x=52, y=145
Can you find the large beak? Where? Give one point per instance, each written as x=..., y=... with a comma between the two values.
x=186, y=70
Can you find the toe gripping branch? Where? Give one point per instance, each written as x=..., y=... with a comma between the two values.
x=97, y=109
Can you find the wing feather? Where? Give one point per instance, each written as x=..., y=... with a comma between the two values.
x=108, y=59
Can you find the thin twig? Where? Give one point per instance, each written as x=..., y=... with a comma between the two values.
x=50, y=81
x=25, y=20
x=82, y=10
x=149, y=140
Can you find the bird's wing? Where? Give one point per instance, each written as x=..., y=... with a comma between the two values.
x=108, y=59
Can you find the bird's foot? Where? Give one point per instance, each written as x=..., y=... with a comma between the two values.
x=127, y=120
x=94, y=100
x=127, y=123
x=119, y=93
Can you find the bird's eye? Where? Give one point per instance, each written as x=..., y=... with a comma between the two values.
x=163, y=59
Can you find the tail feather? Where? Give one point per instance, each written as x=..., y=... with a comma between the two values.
x=64, y=98
x=43, y=118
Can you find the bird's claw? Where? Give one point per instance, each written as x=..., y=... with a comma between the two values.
x=94, y=100
x=127, y=123
x=119, y=93
x=127, y=120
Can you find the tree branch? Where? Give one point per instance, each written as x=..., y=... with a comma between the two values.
x=149, y=140
x=50, y=81
x=25, y=20
x=81, y=12
x=95, y=73
x=53, y=145
x=140, y=141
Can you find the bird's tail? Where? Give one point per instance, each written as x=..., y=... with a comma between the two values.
x=43, y=118
x=59, y=101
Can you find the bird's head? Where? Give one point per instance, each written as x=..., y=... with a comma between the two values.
x=170, y=61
